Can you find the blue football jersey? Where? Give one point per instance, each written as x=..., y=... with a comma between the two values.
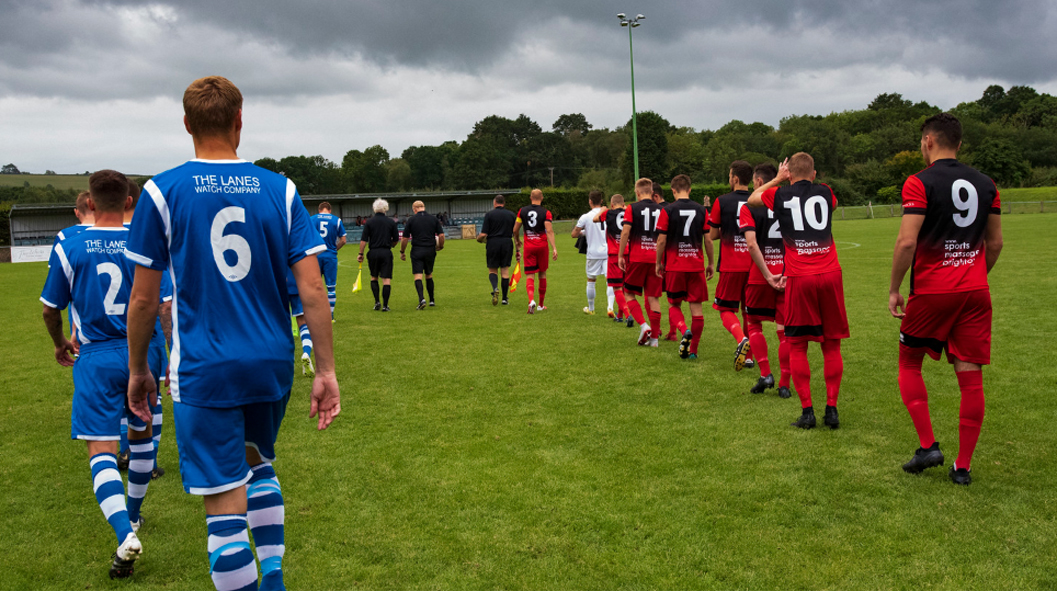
x=90, y=273
x=330, y=229
x=228, y=232
x=69, y=233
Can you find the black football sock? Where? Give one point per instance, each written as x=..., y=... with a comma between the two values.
x=418, y=288
x=385, y=295
x=429, y=287
x=493, y=278
x=506, y=287
x=374, y=290
x=809, y=410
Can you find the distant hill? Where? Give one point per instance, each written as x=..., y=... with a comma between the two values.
x=59, y=181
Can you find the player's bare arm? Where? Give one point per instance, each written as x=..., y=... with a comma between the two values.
x=326, y=398
x=403, y=247
x=550, y=238
x=902, y=259
x=601, y=217
x=625, y=233
x=757, y=257
x=482, y=237
x=756, y=199
x=142, y=311
x=577, y=232
x=710, y=269
x=440, y=242
x=341, y=242
x=63, y=346
x=992, y=240
x=662, y=242
x=359, y=257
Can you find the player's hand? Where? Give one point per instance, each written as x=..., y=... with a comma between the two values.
x=326, y=400
x=359, y=258
x=142, y=389
x=440, y=247
x=783, y=171
x=62, y=353
x=621, y=263
x=167, y=378
x=660, y=270
x=555, y=256
x=896, y=305
x=403, y=257
x=709, y=272
x=76, y=345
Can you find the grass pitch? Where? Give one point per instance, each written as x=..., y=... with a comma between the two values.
x=481, y=448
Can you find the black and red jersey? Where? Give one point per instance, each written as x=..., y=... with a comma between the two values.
x=685, y=225
x=532, y=218
x=768, y=237
x=805, y=214
x=955, y=200
x=642, y=217
x=733, y=253
x=614, y=222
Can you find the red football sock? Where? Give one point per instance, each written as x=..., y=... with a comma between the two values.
x=915, y=396
x=655, y=323
x=543, y=289
x=622, y=304
x=833, y=369
x=801, y=371
x=676, y=319
x=697, y=325
x=783, y=360
x=731, y=323
x=636, y=311
x=530, y=287
x=971, y=415
x=758, y=344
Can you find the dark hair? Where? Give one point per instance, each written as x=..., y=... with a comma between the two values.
x=500, y=200
x=657, y=190
x=595, y=197
x=765, y=172
x=133, y=192
x=82, y=202
x=945, y=129
x=742, y=171
x=109, y=190
x=324, y=205
x=680, y=184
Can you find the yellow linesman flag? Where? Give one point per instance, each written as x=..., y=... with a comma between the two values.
x=515, y=276
x=359, y=284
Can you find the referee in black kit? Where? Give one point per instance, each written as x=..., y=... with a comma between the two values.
x=427, y=237
x=498, y=231
x=380, y=232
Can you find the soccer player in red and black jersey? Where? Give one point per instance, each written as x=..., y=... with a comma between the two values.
x=637, y=258
x=763, y=302
x=681, y=228
x=536, y=220
x=814, y=289
x=950, y=237
x=734, y=260
x=613, y=220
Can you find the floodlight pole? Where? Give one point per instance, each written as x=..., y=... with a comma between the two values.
x=631, y=23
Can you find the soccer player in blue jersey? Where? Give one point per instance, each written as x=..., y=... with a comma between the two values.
x=85, y=219
x=332, y=231
x=228, y=231
x=90, y=273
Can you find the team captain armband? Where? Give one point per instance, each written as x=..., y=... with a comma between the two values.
x=914, y=199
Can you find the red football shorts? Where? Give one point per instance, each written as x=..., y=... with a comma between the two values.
x=642, y=279
x=614, y=276
x=762, y=302
x=814, y=308
x=686, y=286
x=537, y=258
x=957, y=322
x=730, y=293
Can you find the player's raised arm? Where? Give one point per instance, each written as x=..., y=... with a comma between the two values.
x=326, y=398
x=601, y=217
x=756, y=199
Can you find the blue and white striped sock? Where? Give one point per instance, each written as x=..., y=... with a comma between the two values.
x=140, y=464
x=332, y=296
x=306, y=340
x=156, y=429
x=110, y=493
x=266, y=514
x=123, y=445
x=231, y=561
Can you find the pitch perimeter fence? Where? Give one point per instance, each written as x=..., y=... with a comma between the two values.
x=894, y=210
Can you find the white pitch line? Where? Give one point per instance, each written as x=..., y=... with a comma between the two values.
x=853, y=244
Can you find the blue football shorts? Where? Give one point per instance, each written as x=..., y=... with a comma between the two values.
x=295, y=306
x=100, y=393
x=328, y=267
x=213, y=442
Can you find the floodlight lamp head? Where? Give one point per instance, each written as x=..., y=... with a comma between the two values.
x=623, y=23
x=638, y=16
x=621, y=16
x=633, y=25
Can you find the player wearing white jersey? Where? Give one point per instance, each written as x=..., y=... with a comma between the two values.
x=89, y=273
x=597, y=252
x=228, y=231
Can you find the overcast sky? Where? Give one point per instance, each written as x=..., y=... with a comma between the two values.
x=96, y=84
